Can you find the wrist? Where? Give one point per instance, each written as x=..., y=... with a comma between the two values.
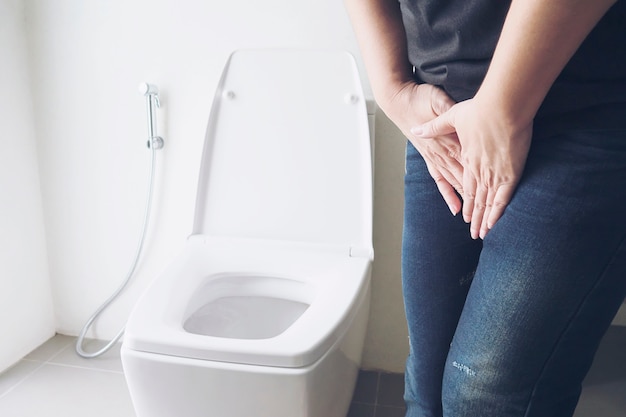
x=387, y=91
x=511, y=109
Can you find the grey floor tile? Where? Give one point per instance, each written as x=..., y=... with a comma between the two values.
x=50, y=348
x=16, y=374
x=384, y=411
x=366, y=389
x=391, y=390
x=55, y=390
x=109, y=361
x=361, y=410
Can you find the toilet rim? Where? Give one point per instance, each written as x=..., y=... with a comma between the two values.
x=157, y=327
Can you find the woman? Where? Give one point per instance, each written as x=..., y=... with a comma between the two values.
x=515, y=114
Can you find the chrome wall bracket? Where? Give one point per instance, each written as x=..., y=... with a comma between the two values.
x=151, y=92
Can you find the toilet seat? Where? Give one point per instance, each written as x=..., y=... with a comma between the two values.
x=308, y=273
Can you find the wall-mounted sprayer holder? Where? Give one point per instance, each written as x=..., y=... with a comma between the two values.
x=152, y=100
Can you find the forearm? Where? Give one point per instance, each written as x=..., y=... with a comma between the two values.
x=538, y=39
x=382, y=41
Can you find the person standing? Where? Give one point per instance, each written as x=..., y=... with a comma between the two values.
x=514, y=242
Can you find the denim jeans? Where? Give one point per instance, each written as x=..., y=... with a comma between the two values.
x=508, y=326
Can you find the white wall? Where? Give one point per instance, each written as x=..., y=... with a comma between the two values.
x=27, y=317
x=87, y=59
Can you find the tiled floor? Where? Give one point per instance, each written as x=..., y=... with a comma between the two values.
x=53, y=381
x=378, y=394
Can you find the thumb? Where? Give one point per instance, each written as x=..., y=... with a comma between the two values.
x=440, y=125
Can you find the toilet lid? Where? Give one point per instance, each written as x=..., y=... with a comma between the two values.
x=287, y=151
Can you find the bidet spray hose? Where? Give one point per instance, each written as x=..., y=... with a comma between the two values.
x=151, y=93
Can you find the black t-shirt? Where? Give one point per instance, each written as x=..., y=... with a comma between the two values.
x=451, y=42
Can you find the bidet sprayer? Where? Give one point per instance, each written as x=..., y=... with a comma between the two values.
x=152, y=100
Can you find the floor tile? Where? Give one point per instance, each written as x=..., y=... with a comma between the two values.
x=50, y=348
x=16, y=374
x=109, y=361
x=361, y=410
x=55, y=390
x=391, y=390
x=383, y=411
x=366, y=387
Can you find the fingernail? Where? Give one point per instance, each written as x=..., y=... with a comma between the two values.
x=453, y=210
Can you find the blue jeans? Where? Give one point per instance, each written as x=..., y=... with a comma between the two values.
x=508, y=326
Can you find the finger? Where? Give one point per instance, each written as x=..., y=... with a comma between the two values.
x=469, y=192
x=480, y=200
x=449, y=196
x=484, y=226
x=446, y=188
x=454, y=147
x=440, y=125
x=455, y=177
x=450, y=168
x=501, y=200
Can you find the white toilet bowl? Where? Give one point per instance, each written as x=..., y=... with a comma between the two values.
x=264, y=312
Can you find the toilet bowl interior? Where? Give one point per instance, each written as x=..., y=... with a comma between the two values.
x=246, y=317
x=239, y=306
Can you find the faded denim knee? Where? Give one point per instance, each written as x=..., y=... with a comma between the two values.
x=480, y=388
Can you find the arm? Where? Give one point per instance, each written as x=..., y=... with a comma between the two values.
x=495, y=127
x=380, y=32
x=382, y=41
x=538, y=39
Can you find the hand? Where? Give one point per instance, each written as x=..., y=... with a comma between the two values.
x=493, y=152
x=419, y=103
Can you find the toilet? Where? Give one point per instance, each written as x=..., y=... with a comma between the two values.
x=264, y=312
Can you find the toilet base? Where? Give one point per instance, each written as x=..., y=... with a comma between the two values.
x=166, y=386
x=173, y=386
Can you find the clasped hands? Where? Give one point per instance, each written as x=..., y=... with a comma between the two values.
x=471, y=148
